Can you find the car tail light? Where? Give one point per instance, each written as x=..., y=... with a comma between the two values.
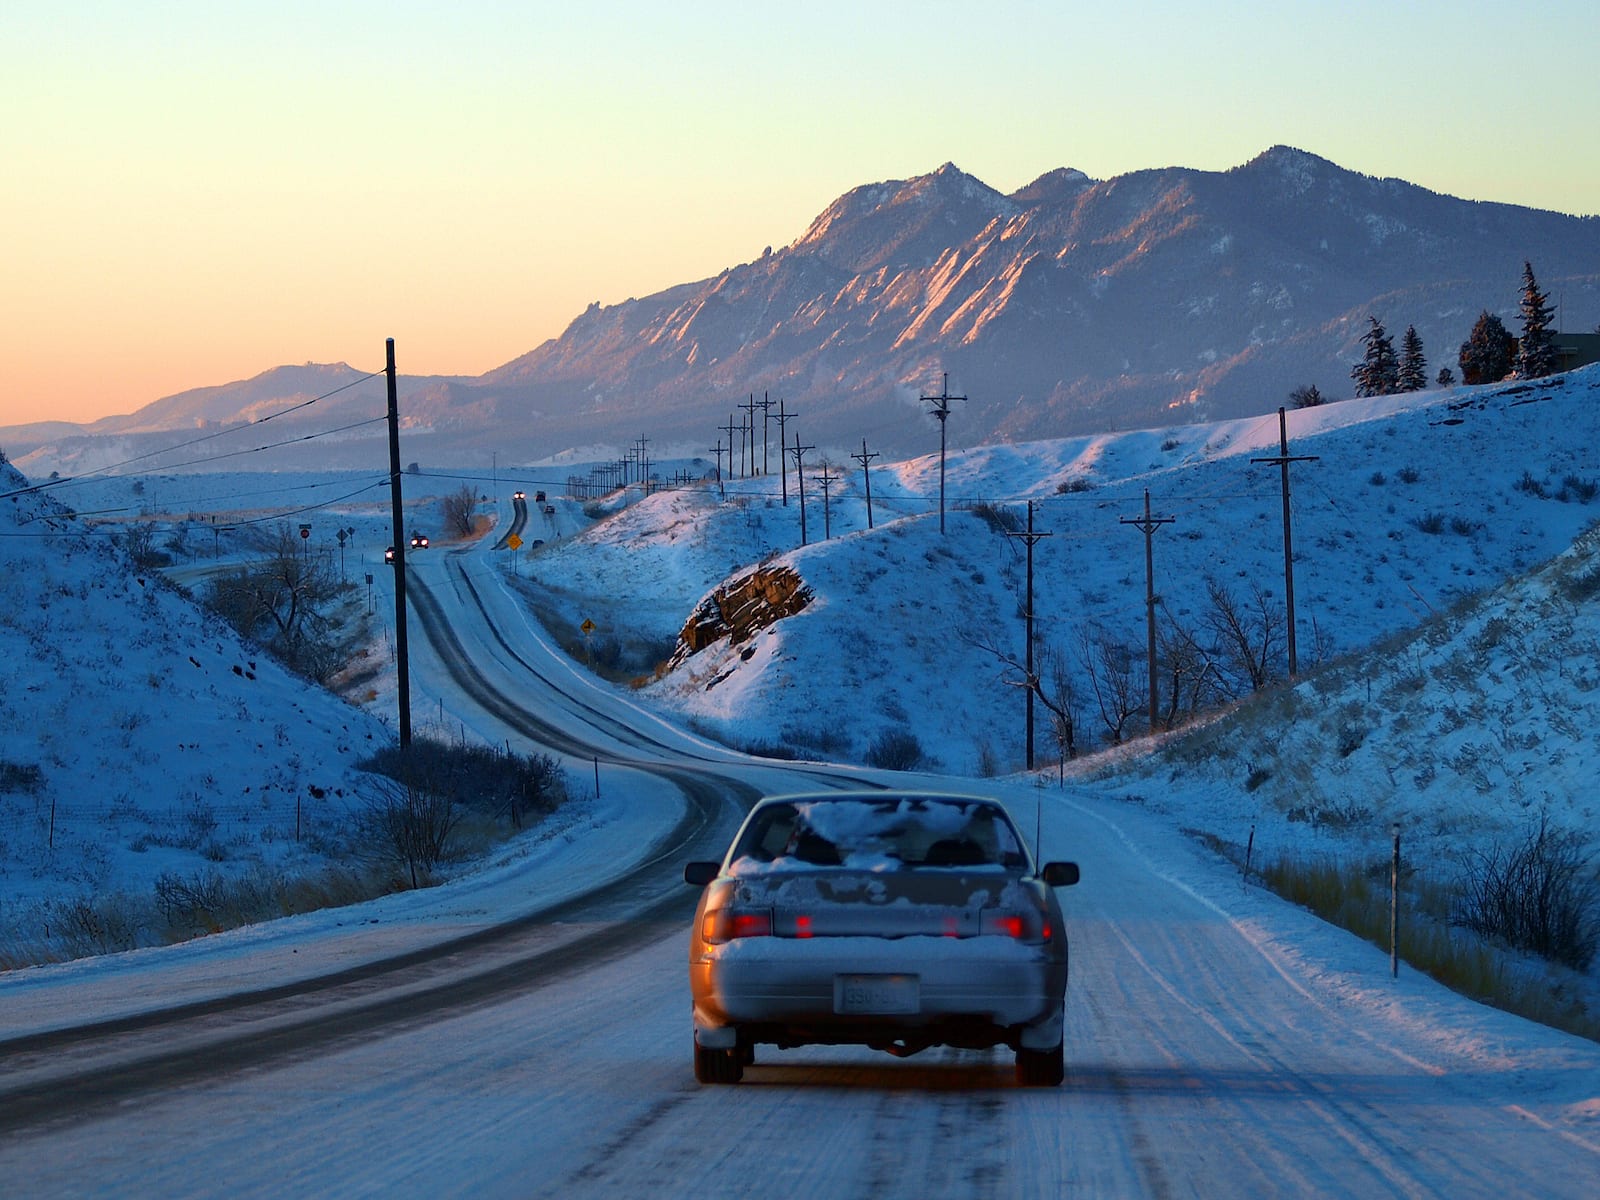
x=1022, y=925
x=728, y=924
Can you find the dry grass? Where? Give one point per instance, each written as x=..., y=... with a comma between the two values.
x=1356, y=897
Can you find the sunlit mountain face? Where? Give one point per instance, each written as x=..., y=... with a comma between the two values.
x=1069, y=306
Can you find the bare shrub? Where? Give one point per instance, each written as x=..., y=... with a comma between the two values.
x=1575, y=489
x=996, y=517
x=459, y=511
x=895, y=750
x=23, y=778
x=140, y=543
x=1540, y=895
x=278, y=602
x=85, y=926
x=407, y=823
x=483, y=778
x=824, y=739
x=1117, y=682
x=1248, y=635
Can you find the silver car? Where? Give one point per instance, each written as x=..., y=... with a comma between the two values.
x=895, y=920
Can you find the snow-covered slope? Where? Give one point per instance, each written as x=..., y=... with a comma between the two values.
x=1408, y=505
x=137, y=734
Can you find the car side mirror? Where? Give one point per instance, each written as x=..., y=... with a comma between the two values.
x=1060, y=874
x=701, y=873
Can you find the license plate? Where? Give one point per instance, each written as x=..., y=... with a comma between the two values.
x=877, y=994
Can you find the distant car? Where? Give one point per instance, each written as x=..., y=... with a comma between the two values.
x=519, y=495
x=895, y=920
x=388, y=555
x=536, y=542
x=419, y=541
x=538, y=497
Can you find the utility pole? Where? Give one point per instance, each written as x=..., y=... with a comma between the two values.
x=766, y=416
x=642, y=456
x=800, y=480
x=941, y=409
x=1148, y=526
x=827, y=479
x=866, y=476
x=729, y=429
x=402, y=658
x=1283, y=460
x=722, y=492
x=1030, y=537
x=783, y=467
x=750, y=407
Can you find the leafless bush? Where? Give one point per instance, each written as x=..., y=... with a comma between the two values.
x=1539, y=895
x=140, y=543
x=407, y=823
x=1249, y=635
x=22, y=778
x=1116, y=674
x=487, y=779
x=459, y=511
x=84, y=926
x=278, y=601
x=895, y=750
x=996, y=517
x=824, y=739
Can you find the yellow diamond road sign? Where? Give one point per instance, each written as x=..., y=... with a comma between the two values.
x=514, y=542
x=587, y=626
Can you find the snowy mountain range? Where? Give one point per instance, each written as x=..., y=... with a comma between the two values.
x=1069, y=306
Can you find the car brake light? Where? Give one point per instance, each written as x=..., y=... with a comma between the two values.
x=1020, y=926
x=802, y=926
x=728, y=924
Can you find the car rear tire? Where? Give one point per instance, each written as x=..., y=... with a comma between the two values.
x=717, y=1066
x=1042, y=1068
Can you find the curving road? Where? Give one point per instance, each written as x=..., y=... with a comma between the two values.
x=1219, y=1043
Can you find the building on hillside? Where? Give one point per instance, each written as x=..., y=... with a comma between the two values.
x=1576, y=350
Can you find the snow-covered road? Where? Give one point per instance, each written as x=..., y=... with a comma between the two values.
x=1219, y=1043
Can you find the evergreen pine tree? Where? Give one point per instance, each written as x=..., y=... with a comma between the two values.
x=1447, y=377
x=1536, y=356
x=1305, y=396
x=1413, y=367
x=1378, y=374
x=1486, y=354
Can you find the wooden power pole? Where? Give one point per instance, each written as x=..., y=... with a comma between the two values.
x=1148, y=526
x=1030, y=537
x=941, y=410
x=1283, y=459
x=800, y=480
x=866, y=476
x=402, y=658
x=783, y=467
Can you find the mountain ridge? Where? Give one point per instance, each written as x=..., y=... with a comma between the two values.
x=1071, y=305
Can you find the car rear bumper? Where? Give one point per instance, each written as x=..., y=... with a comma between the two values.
x=977, y=991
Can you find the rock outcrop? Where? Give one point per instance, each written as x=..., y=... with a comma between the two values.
x=739, y=609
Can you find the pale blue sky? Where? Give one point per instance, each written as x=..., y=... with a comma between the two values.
x=200, y=191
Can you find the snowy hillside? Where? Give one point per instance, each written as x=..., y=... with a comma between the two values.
x=1412, y=504
x=1446, y=528
x=138, y=735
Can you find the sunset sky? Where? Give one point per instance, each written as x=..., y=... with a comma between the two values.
x=195, y=192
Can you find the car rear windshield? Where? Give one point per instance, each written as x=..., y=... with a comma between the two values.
x=893, y=833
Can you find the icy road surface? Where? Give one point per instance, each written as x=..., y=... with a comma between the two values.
x=1219, y=1043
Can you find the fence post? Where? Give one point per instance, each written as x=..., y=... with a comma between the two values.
x=1394, y=904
